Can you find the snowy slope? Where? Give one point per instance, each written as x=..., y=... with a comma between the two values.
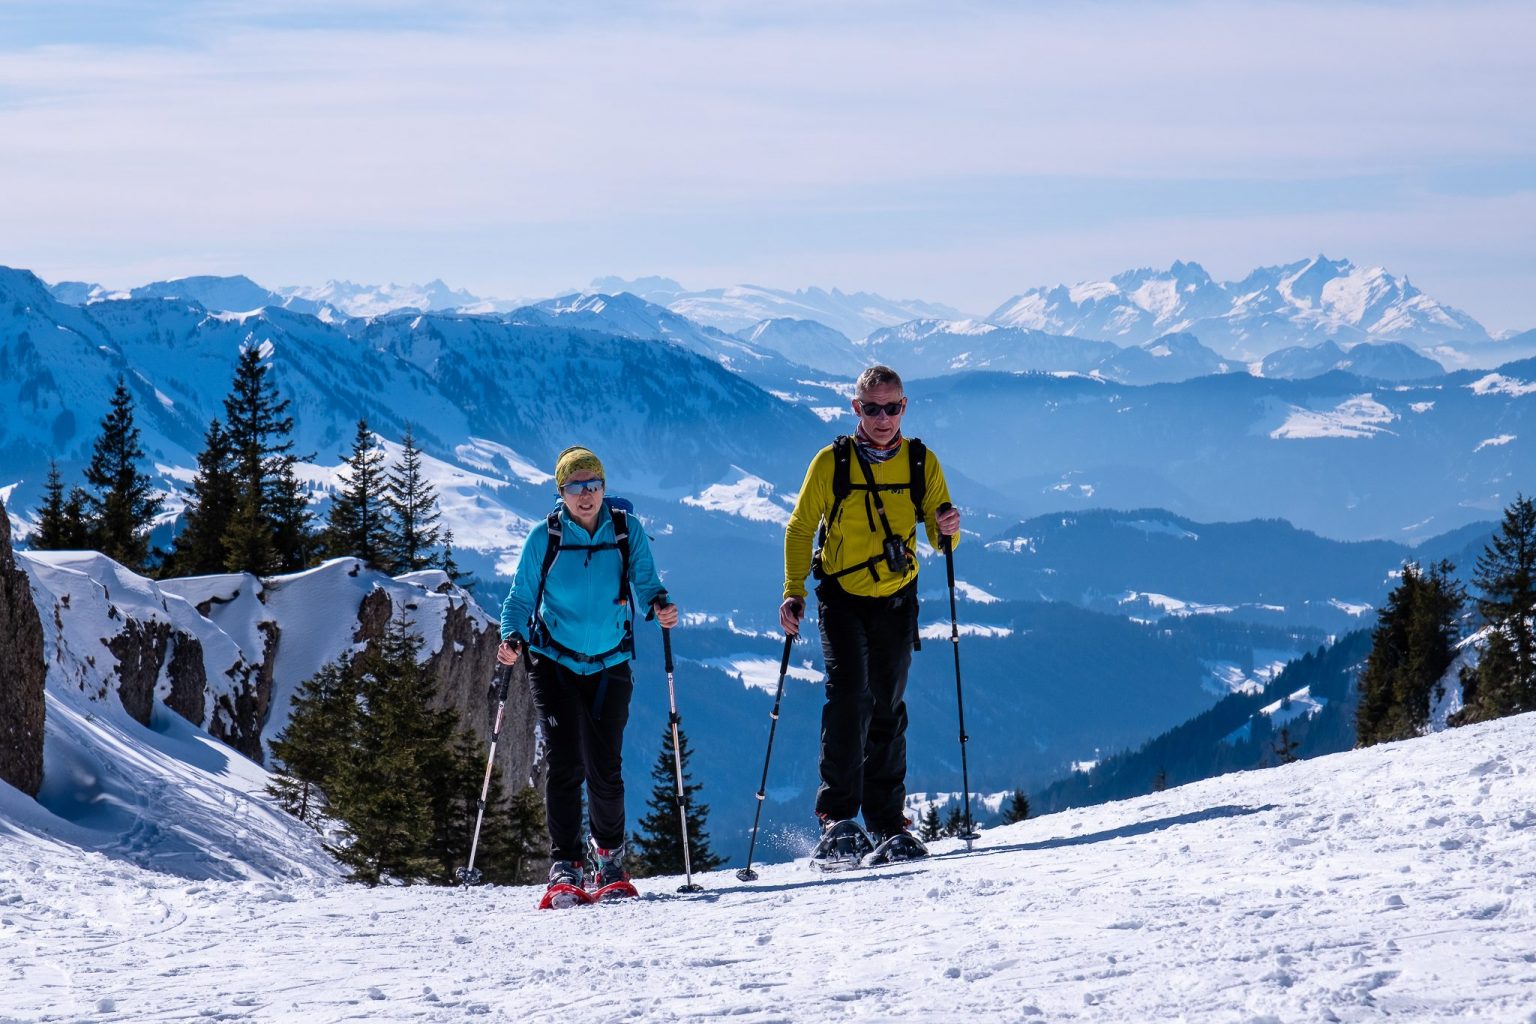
x=1394, y=882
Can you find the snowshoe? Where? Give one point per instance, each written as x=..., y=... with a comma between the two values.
x=894, y=848
x=565, y=888
x=843, y=845
x=619, y=890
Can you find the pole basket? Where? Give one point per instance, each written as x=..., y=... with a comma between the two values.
x=467, y=876
x=747, y=875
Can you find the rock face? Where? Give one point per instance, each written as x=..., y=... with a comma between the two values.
x=23, y=671
x=463, y=669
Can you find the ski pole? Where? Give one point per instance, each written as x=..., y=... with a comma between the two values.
x=677, y=764
x=502, y=683
x=746, y=874
x=969, y=835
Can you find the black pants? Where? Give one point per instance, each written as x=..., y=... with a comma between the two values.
x=584, y=741
x=867, y=645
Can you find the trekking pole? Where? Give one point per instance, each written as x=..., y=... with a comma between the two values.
x=746, y=874
x=677, y=764
x=502, y=683
x=969, y=835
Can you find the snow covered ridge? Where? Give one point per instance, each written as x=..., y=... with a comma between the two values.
x=142, y=679
x=1387, y=883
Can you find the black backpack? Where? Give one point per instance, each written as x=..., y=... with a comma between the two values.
x=844, y=451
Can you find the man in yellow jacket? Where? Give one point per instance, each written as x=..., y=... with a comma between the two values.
x=860, y=507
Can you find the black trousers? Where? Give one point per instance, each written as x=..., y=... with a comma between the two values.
x=867, y=645
x=584, y=741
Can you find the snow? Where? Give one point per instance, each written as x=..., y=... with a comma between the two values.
x=750, y=497
x=1422, y=407
x=1173, y=605
x=1498, y=384
x=971, y=592
x=1356, y=417
x=941, y=630
x=482, y=454
x=762, y=673
x=828, y=413
x=1351, y=607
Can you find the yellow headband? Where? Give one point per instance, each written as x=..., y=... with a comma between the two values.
x=574, y=459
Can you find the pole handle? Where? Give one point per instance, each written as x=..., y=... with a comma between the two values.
x=666, y=646
x=503, y=681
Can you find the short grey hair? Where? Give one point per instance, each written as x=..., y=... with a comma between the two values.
x=877, y=376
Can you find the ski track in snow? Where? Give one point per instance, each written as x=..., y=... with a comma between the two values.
x=1397, y=882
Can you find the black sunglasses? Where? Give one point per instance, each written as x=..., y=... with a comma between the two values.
x=889, y=408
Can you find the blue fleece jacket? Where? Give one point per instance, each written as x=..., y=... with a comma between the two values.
x=580, y=608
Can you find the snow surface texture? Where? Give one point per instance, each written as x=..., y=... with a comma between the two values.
x=1394, y=882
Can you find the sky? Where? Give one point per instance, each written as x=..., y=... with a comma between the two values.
x=956, y=152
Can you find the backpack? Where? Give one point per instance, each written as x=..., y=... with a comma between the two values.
x=621, y=510
x=843, y=454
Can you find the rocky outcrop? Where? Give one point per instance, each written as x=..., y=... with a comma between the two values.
x=140, y=649
x=239, y=717
x=23, y=672
x=462, y=670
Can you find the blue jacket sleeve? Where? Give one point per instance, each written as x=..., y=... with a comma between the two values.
x=642, y=568
x=518, y=607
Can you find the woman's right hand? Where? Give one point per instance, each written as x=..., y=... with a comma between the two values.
x=506, y=654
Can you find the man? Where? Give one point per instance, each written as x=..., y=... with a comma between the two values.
x=864, y=494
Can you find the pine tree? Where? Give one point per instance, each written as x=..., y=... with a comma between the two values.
x=1411, y=647
x=1160, y=780
x=658, y=849
x=413, y=508
x=199, y=548
x=529, y=838
x=292, y=536
x=931, y=828
x=1017, y=808
x=258, y=427
x=1284, y=748
x=466, y=580
x=1504, y=682
x=316, y=745
x=954, y=821
x=121, y=507
x=359, y=523
x=60, y=522
x=385, y=794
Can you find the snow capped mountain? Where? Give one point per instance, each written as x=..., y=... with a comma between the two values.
x=740, y=307
x=378, y=300
x=809, y=343
x=1300, y=303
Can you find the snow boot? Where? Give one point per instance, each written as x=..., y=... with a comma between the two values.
x=610, y=879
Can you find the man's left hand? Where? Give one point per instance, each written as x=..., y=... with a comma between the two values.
x=666, y=614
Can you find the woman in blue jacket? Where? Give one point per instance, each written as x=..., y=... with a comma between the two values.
x=573, y=614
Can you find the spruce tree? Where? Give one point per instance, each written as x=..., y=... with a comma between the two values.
x=528, y=847
x=1504, y=682
x=359, y=523
x=1412, y=646
x=259, y=426
x=931, y=827
x=413, y=507
x=658, y=848
x=120, y=508
x=954, y=821
x=1017, y=808
x=386, y=792
x=60, y=522
x=315, y=747
x=293, y=538
x=1284, y=748
x=199, y=548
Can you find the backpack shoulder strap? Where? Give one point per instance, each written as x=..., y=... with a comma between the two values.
x=551, y=552
x=842, y=468
x=621, y=538
x=917, y=454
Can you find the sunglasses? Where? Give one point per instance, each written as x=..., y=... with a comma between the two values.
x=892, y=409
x=576, y=487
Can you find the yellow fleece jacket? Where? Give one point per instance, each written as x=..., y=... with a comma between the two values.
x=857, y=534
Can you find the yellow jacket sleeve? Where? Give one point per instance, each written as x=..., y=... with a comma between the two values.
x=814, y=502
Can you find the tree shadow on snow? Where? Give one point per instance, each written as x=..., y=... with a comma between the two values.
x=840, y=878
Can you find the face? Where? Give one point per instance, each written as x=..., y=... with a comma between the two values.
x=881, y=427
x=584, y=502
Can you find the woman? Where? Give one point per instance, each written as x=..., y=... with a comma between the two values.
x=570, y=605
